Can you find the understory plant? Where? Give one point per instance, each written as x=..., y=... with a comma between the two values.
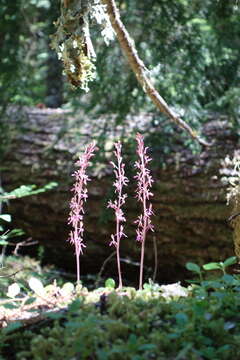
x=76, y=205
x=143, y=194
x=157, y=322
x=121, y=180
x=6, y=235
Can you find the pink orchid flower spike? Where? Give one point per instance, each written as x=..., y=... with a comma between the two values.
x=121, y=180
x=143, y=195
x=80, y=195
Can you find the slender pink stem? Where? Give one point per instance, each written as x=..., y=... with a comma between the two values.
x=144, y=231
x=78, y=267
x=76, y=205
x=120, y=181
x=118, y=225
x=144, y=184
x=119, y=264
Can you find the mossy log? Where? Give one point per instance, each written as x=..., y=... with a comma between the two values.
x=189, y=199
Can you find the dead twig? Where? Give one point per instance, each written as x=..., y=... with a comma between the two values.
x=27, y=242
x=103, y=267
x=13, y=274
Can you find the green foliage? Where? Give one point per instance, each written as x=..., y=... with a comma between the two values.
x=131, y=324
x=193, y=267
x=5, y=217
x=24, y=50
x=110, y=283
x=192, y=54
x=222, y=266
x=26, y=190
x=10, y=18
x=185, y=52
x=23, y=269
x=5, y=235
x=22, y=191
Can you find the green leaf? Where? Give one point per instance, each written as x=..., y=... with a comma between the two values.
x=219, y=294
x=229, y=279
x=212, y=284
x=146, y=347
x=147, y=286
x=27, y=190
x=198, y=21
x=30, y=300
x=75, y=306
x=110, y=283
x=226, y=347
x=15, y=232
x=181, y=318
x=3, y=242
x=36, y=285
x=102, y=355
x=6, y=217
x=212, y=266
x=132, y=339
x=13, y=326
x=55, y=315
x=193, y=267
x=173, y=336
x=67, y=288
x=13, y=290
x=10, y=306
x=230, y=261
x=229, y=325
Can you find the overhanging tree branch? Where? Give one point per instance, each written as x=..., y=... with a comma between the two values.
x=138, y=67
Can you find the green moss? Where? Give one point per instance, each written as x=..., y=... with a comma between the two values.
x=140, y=325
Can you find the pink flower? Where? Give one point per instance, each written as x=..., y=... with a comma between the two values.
x=143, y=194
x=76, y=205
x=121, y=180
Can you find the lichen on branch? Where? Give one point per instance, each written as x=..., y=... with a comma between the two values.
x=72, y=40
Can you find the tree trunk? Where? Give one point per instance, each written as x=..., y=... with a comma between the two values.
x=54, y=77
x=189, y=199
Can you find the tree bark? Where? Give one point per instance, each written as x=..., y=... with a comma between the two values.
x=189, y=199
x=54, y=77
x=141, y=72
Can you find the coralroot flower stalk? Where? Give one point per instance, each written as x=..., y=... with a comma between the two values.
x=121, y=180
x=144, y=183
x=76, y=205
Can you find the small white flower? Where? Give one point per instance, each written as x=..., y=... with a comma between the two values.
x=75, y=44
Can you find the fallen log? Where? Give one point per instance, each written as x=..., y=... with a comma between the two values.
x=189, y=198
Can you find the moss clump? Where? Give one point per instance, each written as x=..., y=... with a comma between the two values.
x=155, y=323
